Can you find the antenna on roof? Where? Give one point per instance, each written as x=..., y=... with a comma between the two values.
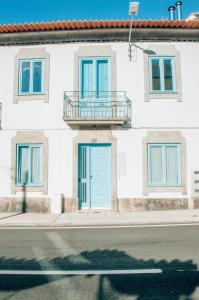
x=133, y=11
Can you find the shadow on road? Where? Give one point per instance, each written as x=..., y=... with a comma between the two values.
x=178, y=279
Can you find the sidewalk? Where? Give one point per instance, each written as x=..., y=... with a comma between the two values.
x=102, y=218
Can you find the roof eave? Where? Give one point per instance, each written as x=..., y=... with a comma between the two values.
x=99, y=35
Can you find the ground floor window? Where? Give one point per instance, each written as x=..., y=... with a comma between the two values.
x=29, y=164
x=164, y=164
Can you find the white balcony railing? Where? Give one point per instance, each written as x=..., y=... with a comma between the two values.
x=97, y=107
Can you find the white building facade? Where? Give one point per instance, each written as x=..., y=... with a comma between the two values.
x=82, y=123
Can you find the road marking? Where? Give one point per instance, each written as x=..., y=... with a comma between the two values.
x=46, y=265
x=80, y=272
x=96, y=226
x=89, y=272
x=65, y=249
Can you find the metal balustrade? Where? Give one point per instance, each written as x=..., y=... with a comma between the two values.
x=97, y=107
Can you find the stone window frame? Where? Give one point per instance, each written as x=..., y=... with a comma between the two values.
x=167, y=137
x=29, y=137
x=162, y=51
x=95, y=51
x=32, y=53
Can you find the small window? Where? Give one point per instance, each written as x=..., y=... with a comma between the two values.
x=162, y=74
x=164, y=167
x=31, y=76
x=29, y=171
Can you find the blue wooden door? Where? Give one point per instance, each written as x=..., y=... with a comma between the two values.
x=94, y=176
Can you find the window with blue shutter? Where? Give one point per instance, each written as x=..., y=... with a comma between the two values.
x=31, y=76
x=94, y=77
x=164, y=165
x=29, y=164
x=162, y=74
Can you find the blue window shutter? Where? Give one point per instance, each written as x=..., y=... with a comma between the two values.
x=102, y=78
x=87, y=84
x=168, y=76
x=155, y=164
x=155, y=70
x=36, y=165
x=172, y=165
x=37, y=76
x=23, y=164
x=25, y=74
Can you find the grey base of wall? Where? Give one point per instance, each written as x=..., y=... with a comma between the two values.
x=70, y=205
x=196, y=202
x=42, y=205
x=15, y=204
x=146, y=204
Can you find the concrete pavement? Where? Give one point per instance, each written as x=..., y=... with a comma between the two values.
x=99, y=218
x=7, y=215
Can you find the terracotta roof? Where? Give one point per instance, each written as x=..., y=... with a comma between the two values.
x=71, y=25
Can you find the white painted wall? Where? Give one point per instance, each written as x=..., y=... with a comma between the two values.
x=156, y=114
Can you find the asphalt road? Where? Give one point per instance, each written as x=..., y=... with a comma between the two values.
x=150, y=262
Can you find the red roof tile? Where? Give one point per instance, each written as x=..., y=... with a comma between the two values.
x=71, y=25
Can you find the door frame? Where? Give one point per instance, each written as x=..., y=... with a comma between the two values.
x=108, y=145
x=95, y=137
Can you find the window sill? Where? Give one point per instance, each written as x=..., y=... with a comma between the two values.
x=163, y=95
x=30, y=94
x=31, y=97
x=163, y=186
x=28, y=185
x=29, y=188
x=166, y=189
x=162, y=92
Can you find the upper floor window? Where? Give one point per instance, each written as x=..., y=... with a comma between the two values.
x=164, y=165
x=162, y=74
x=31, y=76
x=94, y=77
x=29, y=167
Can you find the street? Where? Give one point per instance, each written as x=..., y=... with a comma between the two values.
x=154, y=262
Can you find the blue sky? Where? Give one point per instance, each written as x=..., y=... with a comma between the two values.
x=20, y=11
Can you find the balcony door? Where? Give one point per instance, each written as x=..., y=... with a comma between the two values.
x=94, y=87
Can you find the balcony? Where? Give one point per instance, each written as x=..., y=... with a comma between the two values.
x=97, y=108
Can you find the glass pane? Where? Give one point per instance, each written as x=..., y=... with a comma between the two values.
x=23, y=164
x=102, y=78
x=25, y=77
x=87, y=79
x=37, y=77
x=36, y=165
x=156, y=75
x=172, y=165
x=168, y=80
x=156, y=168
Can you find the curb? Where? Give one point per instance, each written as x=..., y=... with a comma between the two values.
x=84, y=226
